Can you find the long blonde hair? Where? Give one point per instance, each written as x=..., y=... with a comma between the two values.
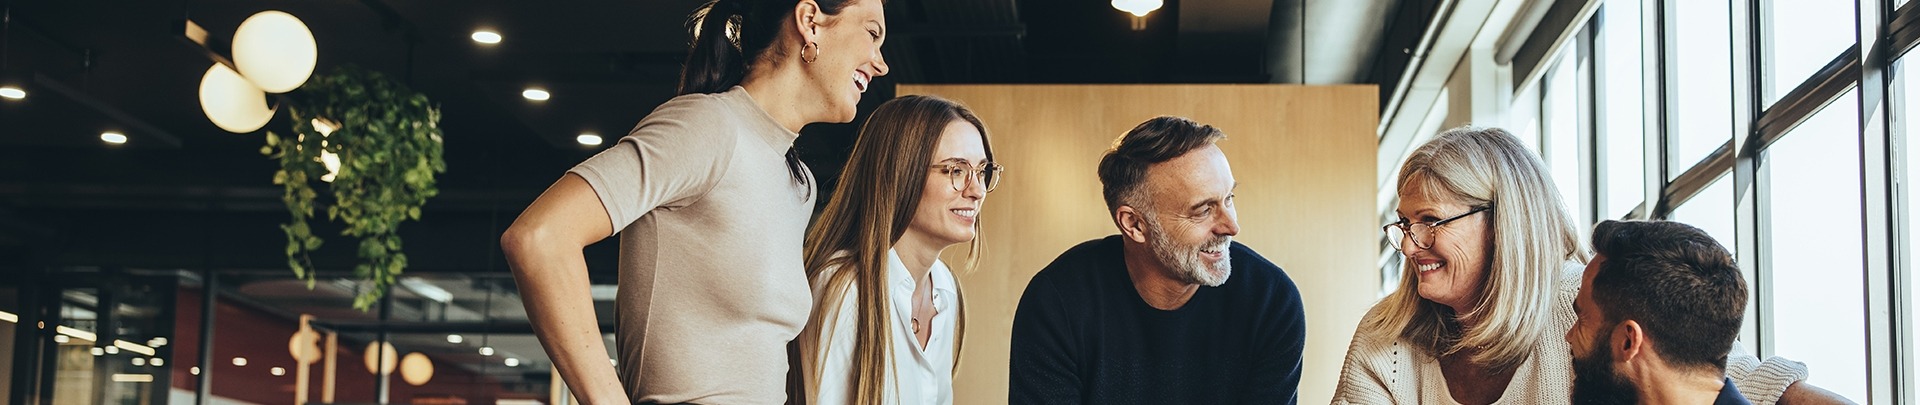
x=1532, y=238
x=878, y=193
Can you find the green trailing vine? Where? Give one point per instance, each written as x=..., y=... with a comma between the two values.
x=387, y=138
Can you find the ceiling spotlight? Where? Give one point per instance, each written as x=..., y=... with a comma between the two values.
x=111, y=349
x=1139, y=8
x=195, y=370
x=486, y=350
x=113, y=137
x=60, y=339
x=486, y=37
x=139, y=361
x=513, y=362
x=98, y=351
x=536, y=94
x=588, y=139
x=277, y=371
x=157, y=362
x=455, y=339
x=240, y=361
x=12, y=92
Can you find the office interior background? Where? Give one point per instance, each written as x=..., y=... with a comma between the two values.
x=135, y=234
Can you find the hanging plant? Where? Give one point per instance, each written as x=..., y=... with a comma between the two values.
x=376, y=145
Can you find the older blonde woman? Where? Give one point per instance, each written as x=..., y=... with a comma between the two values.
x=1493, y=262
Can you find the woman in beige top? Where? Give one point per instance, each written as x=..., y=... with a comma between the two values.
x=711, y=204
x=1492, y=266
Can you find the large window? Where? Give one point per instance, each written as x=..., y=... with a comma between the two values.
x=1619, y=82
x=1703, y=105
x=1802, y=36
x=1813, y=193
x=1562, y=139
x=1794, y=203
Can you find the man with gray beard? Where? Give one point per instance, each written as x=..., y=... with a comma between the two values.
x=1171, y=310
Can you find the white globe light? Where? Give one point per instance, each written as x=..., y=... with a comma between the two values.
x=275, y=51
x=378, y=363
x=231, y=102
x=416, y=369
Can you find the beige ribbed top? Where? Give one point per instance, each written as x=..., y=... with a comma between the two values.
x=1389, y=370
x=710, y=223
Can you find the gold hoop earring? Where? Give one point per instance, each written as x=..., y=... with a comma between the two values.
x=816, y=52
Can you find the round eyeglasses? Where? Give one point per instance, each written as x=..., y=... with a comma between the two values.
x=960, y=175
x=1421, y=233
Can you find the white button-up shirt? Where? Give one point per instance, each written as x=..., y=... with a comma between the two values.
x=921, y=375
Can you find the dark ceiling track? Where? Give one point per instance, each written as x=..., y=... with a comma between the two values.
x=147, y=130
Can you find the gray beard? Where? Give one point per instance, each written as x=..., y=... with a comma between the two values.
x=1185, y=261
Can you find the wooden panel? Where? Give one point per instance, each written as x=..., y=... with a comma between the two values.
x=1304, y=157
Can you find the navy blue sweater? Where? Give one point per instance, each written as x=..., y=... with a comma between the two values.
x=1082, y=334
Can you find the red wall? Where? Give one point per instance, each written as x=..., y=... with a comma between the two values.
x=262, y=339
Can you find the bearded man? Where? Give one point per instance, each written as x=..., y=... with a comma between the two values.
x=1171, y=310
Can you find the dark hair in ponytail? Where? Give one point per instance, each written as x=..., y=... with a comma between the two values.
x=720, y=57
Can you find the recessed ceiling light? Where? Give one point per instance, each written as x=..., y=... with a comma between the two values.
x=486, y=37
x=277, y=371
x=12, y=92
x=536, y=94
x=486, y=350
x=455, y=339
x=240, y=361
x=588, y=139
x=113, y=137
x=513, y=362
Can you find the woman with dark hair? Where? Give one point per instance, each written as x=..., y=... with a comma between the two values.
x=888, y=321
x=711, y=204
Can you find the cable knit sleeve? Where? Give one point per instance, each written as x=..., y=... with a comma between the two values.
x=1763, y=382
x=1370, y=371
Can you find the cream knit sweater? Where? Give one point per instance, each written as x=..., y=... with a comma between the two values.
x=1383, y=369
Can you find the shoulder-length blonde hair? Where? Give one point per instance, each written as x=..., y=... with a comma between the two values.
x=872, y=206
x=1532, y=237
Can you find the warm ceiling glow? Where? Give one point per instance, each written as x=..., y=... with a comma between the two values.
x=588, y=139
x=113, y=137
x=536, y=94
x=1139, y=8
x=275, y=51
x=416, y=369
x=12, y=92
x=486, y=37
x=381, y=358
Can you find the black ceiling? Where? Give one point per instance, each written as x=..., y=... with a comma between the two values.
x=183, y=194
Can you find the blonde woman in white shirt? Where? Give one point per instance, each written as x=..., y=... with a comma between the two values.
x=887, y=319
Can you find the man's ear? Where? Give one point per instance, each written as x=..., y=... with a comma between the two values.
x=1133, y=225
x=806, y=20
x=1628, y=341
